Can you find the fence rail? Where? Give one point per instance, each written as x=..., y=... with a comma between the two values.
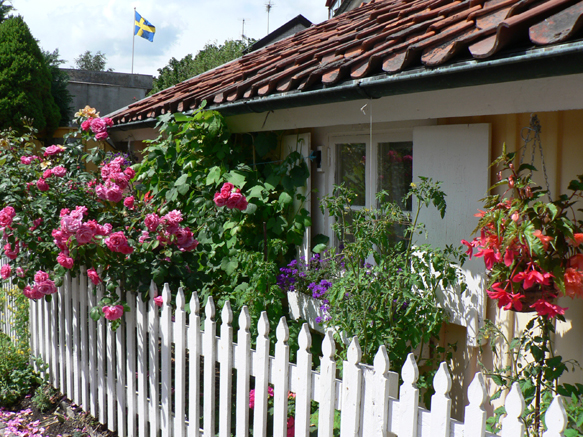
x=161, y=374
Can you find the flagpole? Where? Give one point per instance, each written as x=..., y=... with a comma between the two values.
x=133, y=38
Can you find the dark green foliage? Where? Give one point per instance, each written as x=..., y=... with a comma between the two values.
x=211, y=56
x=25, y=80
x=4, y=10
x=16, y=374
x=59, y=82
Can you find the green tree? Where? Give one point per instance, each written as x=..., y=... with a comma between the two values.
x=4, y=10
x=25, y=80
x=91, y=62
x=211, y=56
x=59, y=83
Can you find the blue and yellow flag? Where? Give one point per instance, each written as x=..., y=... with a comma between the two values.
x=144, y=28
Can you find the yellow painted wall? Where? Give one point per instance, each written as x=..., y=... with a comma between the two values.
x=562, y=142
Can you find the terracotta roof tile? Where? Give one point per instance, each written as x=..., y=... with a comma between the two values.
x=381, y=37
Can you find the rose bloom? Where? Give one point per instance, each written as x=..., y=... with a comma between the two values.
x=113, y=193
x=113, y=312
x=53, y=150
x=159, y=301
x=59, y=171
x=65, y=261
x=234, y=200
x=98, y=125
x=226, y=189
x=129, y=172
x=5, y=271
x=152, y=221
x=32, y=294
x=27, y=160
x=220, y=200
x=42, y=185
x=129, y=202
x=86, y=125
x=19, y=272
x=101, y=135
x=45, y=287
x=92, y=274
x=41, y=276
x=6, y=216
x=84, y=234
x=117, y=242
x=12, y=254
x=47, y=173
x=242, y=204
x=108, y=121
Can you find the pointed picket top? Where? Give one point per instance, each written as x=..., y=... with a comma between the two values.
x=263, y=325
x=514, y=403
x=180, y=301
x=410, y=372
x=194, y=303
x=305, y=338
x=442, y=380
x=381, y=361
x=328, y=346
x=244, y=319
x=167, y=294
x=282, y=332
x=209, y=309
x=354, y=353
x=555, y=418
x=477, y=394
x=153, y=290
x=227, y=314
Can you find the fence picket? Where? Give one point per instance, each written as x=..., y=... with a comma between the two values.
x=75, y=345
x=351, y=391
x=281, y=380
x=68, y=337
x=101, y=362
x=441, y=403
x=304, y=383
x=130, y=340
x=194, y=348
x=180, y=364
x=142, y=349
x=154, y=368
x=409, y=399
x=261, y=372
x=62, y=361
x=209, y=353
x=555, y=418
x=46, y=345
x=83, y=340
x=475, y=414
x=166, y=368
x=120, y=373
x=54, y=340
x=512, y=425
x=225, y=355
x=377, y=402
x=327, y=387
x=110, y=367
x=243, y=363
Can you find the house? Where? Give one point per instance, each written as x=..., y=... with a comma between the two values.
x=444, y=81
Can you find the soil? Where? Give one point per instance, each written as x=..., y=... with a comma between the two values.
x=63, y=419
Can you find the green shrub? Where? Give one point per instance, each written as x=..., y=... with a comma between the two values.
x=17, y=377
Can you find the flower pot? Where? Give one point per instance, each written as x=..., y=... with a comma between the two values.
x=533, y=294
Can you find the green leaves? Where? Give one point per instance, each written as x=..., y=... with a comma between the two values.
x=214, y=176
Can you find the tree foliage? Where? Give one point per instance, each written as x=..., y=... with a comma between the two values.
x=59, y=83
x=5, y=9
x=211, y=56
x=25, y=80
x=91, y=62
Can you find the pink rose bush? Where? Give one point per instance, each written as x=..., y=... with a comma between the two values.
x=98, y=126
x=113, y=312
x=230, y=197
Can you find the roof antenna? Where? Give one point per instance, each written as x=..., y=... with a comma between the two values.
x=243, y=37
x=268, y=7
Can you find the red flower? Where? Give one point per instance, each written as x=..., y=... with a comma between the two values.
x=544, y=308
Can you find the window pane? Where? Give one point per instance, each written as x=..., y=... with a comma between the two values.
x=395, y=166
x=351, y=165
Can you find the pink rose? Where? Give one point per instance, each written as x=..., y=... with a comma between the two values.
x=152, y=221
x=41, y=276
x=220, y=200
x=27, y=160
x=113, y=193
x=145, y=235
x=252, y=398
x=226, y=189
x=42, y=185
x=47, y=173
x=101, y=135
x=86, y=125
x=32, y=294
x=45, y=287
x=291, y=426
x=183, y=235
x=65, y=261
x=159, y=300
x=92, y=274
x=59, y=171
x=19, y=272
x=130, y=173
x=6, y=216
x=105, y=229
x=5, y=271
x=117, y=242
x=129, y=202
x=108, y=121
x=64, y=212
x=234, y=200
x=174, y=216
x=84, y=234
x=113, y=312
x=53, y=150
x=98, y=125
x=120, y=179
x=12, y=254
x=189, y=245
x=101, y=192
x=242, y=204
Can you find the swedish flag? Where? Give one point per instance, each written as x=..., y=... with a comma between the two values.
x=144, y=28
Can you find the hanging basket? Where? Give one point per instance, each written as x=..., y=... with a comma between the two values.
x=535, y=293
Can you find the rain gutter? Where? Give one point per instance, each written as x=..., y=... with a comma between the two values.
x=524, y=65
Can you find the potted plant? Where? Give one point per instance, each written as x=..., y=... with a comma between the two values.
x=531, y=246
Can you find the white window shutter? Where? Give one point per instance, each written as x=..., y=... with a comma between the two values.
x=459, y=157
x=301, y=143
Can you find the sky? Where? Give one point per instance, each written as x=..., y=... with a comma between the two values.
x=182, y=26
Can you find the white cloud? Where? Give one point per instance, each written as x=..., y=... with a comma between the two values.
x=182, y=26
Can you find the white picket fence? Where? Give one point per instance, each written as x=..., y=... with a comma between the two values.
x=157, y=375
